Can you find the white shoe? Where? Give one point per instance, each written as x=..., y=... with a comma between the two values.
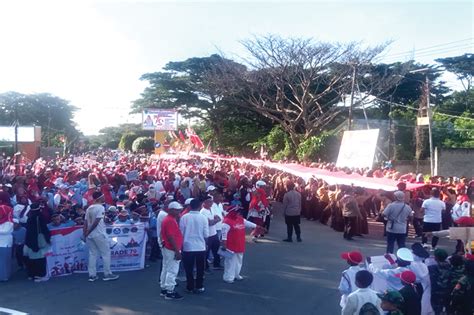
x=239, y=278
x=41, y=279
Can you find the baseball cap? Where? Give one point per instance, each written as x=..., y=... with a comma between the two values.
x=175, y=205
x=260, y=183
x=354, y=257
x=441, y=254
x=407, y=276
x=187, y=202
x=211, y=188
x=399, y=195
x=405, y=254
x=393, y=297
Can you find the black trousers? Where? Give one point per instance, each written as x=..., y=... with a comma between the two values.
x=400, y=238
x=190, y=260
x=293, y=222
x=20, y=259
x=431, y=227
x=155, y=251
x=213, y=244
x=36, y=267
x=349, y=227
x=418, y=226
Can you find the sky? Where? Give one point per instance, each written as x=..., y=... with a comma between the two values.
x=93, y=53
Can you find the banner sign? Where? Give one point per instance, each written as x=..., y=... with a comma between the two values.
x=158, y=119
x=70, y=254
x=132, y=175
x=358, y=148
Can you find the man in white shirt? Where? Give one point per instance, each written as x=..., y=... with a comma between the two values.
x=363, y=298
x=195, y=229
x=213, y=241
x=433, y=208
x=97, y=241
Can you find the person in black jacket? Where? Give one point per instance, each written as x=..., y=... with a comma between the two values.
x=412, y=292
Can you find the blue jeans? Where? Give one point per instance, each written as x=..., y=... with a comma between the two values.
x=392, y=237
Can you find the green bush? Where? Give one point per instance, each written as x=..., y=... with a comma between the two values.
x=322, y=147
x=143, y=144
x=126, y=141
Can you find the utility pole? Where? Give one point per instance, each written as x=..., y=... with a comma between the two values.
x=430, y=135
x=354, y=72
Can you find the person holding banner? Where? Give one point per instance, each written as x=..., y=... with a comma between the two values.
x=96, y=237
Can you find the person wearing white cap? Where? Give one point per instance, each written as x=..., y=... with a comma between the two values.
x=397, y=214
x=387, y=274
x=172, y=244
x=96, y=238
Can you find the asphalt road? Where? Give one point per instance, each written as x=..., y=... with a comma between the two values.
x=280, y=278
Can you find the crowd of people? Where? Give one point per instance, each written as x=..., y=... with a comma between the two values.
x=411, y=283
x=196, y=210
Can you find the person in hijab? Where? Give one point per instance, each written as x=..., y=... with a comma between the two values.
x=6, y=241
x=37, y=245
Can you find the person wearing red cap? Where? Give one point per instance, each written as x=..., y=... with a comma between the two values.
x=347, y=284
x=412, y=293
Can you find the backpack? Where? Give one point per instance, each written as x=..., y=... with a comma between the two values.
x=369, y=309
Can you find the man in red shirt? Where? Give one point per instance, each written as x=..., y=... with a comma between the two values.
x=172, y=239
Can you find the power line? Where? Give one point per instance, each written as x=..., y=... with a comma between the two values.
x=429, y=47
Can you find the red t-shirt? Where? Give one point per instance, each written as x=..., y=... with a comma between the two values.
x=169, y=227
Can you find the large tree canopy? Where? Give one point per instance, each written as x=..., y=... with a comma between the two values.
x=52, y=113
x=462, y=67
x=302, y=85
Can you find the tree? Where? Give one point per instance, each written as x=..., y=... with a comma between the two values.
x=143, y=144
x=109, y=137
x=53, y=114
x=192, y=87
x=301, y=84
x=126, y=142
x=462, y=67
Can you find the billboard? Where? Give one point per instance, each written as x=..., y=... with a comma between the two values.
x=158, y=119
x=358, y=148
x=25, y=134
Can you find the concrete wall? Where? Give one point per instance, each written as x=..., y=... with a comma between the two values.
x=404, y=167
x=454, y=162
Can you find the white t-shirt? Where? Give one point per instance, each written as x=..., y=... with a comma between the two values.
x=358, y=298
x=218, y=209
x=195, y=229
x=159, y=221
x=96, y=211
x=433, y=208
x=209, y=214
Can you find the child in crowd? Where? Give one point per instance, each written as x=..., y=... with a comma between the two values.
x=363, y=300
x=440, y=281
x=412, y=293
x=347, y=284
x=392, y=301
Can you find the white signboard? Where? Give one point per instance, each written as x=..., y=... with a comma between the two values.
x=25, y=134
x=157, y=119
x=358, y=148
